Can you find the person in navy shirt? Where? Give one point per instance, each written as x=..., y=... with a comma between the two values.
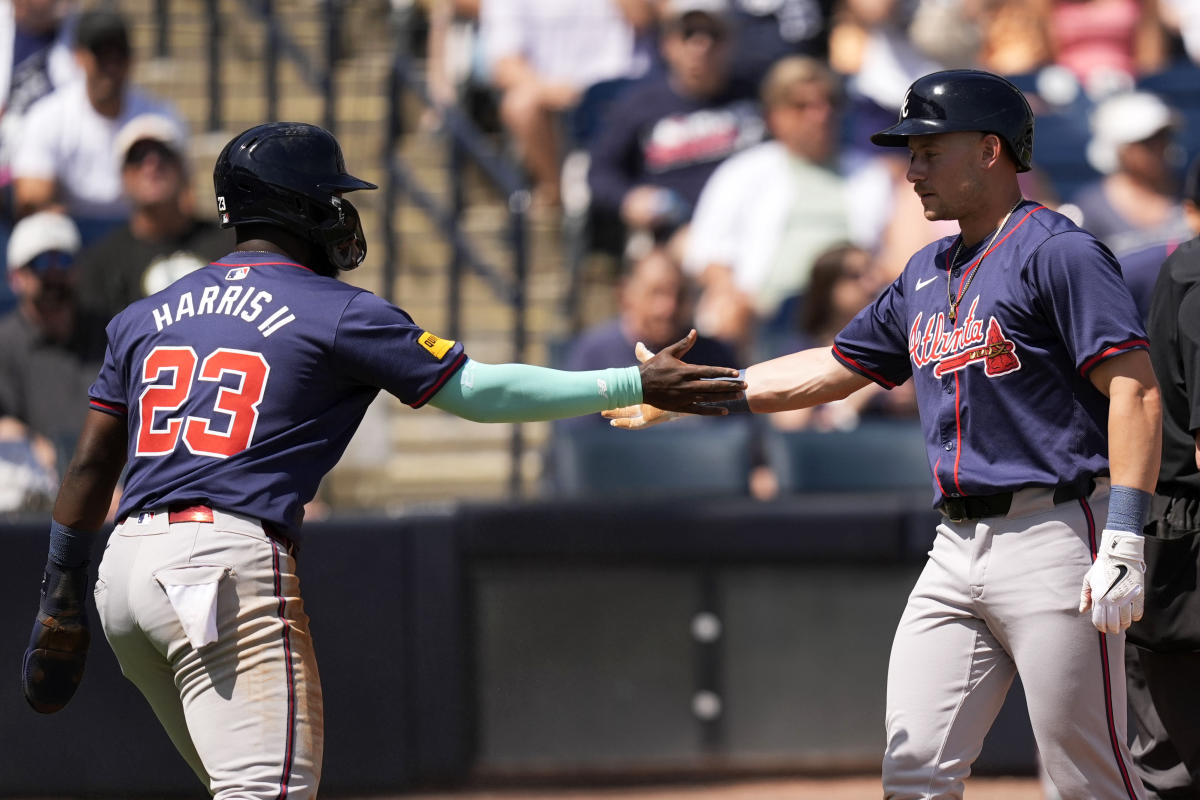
x=229, y=395
x=1041, y=417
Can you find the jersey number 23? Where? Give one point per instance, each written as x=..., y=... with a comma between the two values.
x=238, y=405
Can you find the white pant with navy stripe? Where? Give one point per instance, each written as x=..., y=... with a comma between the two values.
x=244, y=710
x=998, y=597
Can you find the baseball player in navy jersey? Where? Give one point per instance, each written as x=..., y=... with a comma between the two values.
x=229, y=395
x=1042, y=424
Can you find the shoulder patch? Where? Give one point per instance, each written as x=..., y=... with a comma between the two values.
x=436, y=347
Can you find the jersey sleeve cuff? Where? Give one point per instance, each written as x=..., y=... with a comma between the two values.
x=114, y=409
x=445, y=376
x=1109, y=352
x=854, y=366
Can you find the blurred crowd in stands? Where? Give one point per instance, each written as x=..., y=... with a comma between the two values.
x=716, y=150
x=96, y=210
x=733, y=134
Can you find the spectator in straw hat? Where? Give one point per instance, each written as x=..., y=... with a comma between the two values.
x=162, y=240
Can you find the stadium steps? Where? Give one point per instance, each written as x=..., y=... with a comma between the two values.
x=401, y=457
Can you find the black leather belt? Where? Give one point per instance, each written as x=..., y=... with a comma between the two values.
x=961, y=509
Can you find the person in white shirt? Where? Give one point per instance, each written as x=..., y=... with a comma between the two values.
x=767, y=213
x=543, y=55
x=65, y=157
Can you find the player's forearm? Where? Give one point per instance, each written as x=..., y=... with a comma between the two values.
x=799, y=380
x=526, y=393
x=1134, y=434
x=91, y=477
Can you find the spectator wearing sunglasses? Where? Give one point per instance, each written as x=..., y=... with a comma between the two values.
x=662, y=138
x=163, y=239
x=50, y=349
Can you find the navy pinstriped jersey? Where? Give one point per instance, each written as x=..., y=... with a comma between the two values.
x=1004, y=394
x=243, y=382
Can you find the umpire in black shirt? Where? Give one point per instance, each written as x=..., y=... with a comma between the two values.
x=1163, y=649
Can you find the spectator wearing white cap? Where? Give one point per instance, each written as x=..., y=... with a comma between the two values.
x=1136, y=203
x=64, y=159
x=50, y=349
x=162, y=240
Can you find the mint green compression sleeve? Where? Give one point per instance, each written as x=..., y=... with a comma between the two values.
x=525, y=393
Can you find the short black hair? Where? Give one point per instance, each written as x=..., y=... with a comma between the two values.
x=102, y=29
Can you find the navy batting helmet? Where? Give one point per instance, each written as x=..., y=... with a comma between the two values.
x=965, y=100
x=292, y=175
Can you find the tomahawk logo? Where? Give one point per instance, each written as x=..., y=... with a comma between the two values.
x=997, y=354
x=971, y=341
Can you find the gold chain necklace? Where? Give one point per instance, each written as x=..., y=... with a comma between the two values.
x=962, y=289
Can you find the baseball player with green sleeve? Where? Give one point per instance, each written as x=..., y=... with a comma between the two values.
x=224, y=399
x=1041, y=417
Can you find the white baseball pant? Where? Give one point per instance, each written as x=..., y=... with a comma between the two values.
x=998, y=597
x=207, y=621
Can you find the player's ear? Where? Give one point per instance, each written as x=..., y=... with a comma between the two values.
x=991, y=149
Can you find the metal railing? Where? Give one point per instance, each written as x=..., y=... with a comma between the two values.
x=277, y=43
x=463, y=139
x=464, y=142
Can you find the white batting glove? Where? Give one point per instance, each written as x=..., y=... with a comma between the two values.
x=1115, y=585
x=635, y=418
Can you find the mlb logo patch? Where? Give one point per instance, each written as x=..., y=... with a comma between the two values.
x=237, y=273
x=144, y=517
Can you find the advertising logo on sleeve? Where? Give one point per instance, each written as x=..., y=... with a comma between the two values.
x=436, y=346
x=971, y=342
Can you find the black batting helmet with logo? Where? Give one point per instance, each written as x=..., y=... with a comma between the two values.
x=292, y=175
x=965, y=100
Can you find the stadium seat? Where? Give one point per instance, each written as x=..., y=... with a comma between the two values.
x=689, y=457
x=877, y=455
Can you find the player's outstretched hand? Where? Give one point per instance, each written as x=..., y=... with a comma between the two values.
x=53, y=663
x=634, y=418
x=671, y=385
x=1114, y=588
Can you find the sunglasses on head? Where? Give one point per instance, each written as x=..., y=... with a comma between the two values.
x=140, y=150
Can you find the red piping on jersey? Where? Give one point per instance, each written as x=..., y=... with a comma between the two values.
x=1104, y=667
x=259, y=264
x=1132, y=344
x=289, y=749
x=936, y=479
x=445, y=377
x=962, y=283
x=850, y=362
x=119, y=410
x=958, y=434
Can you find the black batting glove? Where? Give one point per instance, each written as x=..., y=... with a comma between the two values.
x=54, y=659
